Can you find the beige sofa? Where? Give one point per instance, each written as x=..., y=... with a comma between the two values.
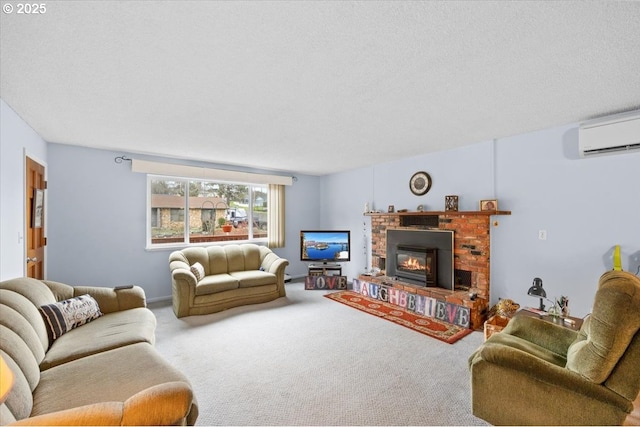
x=104, y=372
x=233, y=275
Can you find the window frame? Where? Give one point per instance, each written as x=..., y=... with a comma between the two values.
x=186, y=231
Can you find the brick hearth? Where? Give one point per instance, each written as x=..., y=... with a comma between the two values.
x=471, y=240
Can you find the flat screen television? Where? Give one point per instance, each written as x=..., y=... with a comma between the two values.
x=325, y=245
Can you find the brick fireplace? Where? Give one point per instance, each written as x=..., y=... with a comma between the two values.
x=471, y=242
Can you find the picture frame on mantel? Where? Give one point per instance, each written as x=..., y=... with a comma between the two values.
x=489, y=205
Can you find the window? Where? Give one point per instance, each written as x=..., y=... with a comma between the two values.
x=198, y=211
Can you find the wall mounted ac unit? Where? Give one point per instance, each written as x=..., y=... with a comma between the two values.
x=609, y=135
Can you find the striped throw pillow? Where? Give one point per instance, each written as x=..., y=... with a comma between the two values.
x=63, y=316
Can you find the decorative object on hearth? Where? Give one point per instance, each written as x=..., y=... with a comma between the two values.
x=536, y=291
x=504, y=307
x=325, y=283
x=391, y=209
x=451, y=203
x=420, y=183
x=489, y=205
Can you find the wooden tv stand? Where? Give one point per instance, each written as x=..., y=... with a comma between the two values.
x=324, y=270
x=478, y=307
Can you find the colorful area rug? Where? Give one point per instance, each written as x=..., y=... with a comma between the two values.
x=427, y=325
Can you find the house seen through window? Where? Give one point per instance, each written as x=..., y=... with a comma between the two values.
x=184, y=211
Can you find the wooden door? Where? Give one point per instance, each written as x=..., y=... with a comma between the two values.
x=34, y=209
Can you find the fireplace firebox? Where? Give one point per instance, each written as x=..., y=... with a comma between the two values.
x=417, y=263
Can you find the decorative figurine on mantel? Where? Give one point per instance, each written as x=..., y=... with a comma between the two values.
x=451, y=203
x=564, y=306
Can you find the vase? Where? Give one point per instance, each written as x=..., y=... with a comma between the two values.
x=555, y=311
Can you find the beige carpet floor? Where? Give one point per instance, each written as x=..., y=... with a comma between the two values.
x=307, y=360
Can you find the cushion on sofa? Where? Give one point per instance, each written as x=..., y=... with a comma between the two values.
x=217, y=260
x=102, y=377
x=34, y=290
x=269, y=258
x=198, y=270
x=109, y=299
x=19, y=402
x=251, y=257
x=60, y=317
x=247, y=279
x=23, y=318
x=216, y=283
x=103, y=334
x=613, y=323
x=235, y=258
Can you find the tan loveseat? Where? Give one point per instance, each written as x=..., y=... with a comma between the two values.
x=232, y=275
x=104, y=372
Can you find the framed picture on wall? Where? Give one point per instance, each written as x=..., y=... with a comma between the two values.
x=37, y=208
x=489, y=205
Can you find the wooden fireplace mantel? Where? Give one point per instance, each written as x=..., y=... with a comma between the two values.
x=438, y=213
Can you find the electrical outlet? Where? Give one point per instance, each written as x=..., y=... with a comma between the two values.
x=542, y=234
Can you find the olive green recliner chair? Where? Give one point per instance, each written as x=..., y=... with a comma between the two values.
x=538, y=373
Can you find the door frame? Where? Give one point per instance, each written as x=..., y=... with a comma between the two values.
x=26, y=153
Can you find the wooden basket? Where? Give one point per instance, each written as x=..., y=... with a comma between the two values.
x=494, y=324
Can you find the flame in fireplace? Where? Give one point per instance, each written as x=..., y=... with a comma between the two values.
x=413, y=264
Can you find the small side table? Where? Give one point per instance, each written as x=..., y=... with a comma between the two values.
x=497, y=323
x=573, y=323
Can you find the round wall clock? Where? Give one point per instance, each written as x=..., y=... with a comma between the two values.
x=420, y=183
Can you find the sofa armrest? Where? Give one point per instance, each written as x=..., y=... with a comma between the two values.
x=185, y=276
x=164, y=404
x=183, y=289
x=552, y=337
x=98, y=414
x=272, y=263
x=276, y=267
x=543, y=371
x=109, y=300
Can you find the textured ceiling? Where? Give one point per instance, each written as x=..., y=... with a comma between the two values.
x=314, y=87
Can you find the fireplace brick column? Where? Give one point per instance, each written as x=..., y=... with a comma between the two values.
x=471, y=242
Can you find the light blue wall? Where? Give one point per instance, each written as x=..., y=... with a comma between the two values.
x=586, y=205
x=467, y=172
x=97, y=217
x=17, y=139
x=96, y=211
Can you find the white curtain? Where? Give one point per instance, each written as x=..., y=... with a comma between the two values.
x=275, y=212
